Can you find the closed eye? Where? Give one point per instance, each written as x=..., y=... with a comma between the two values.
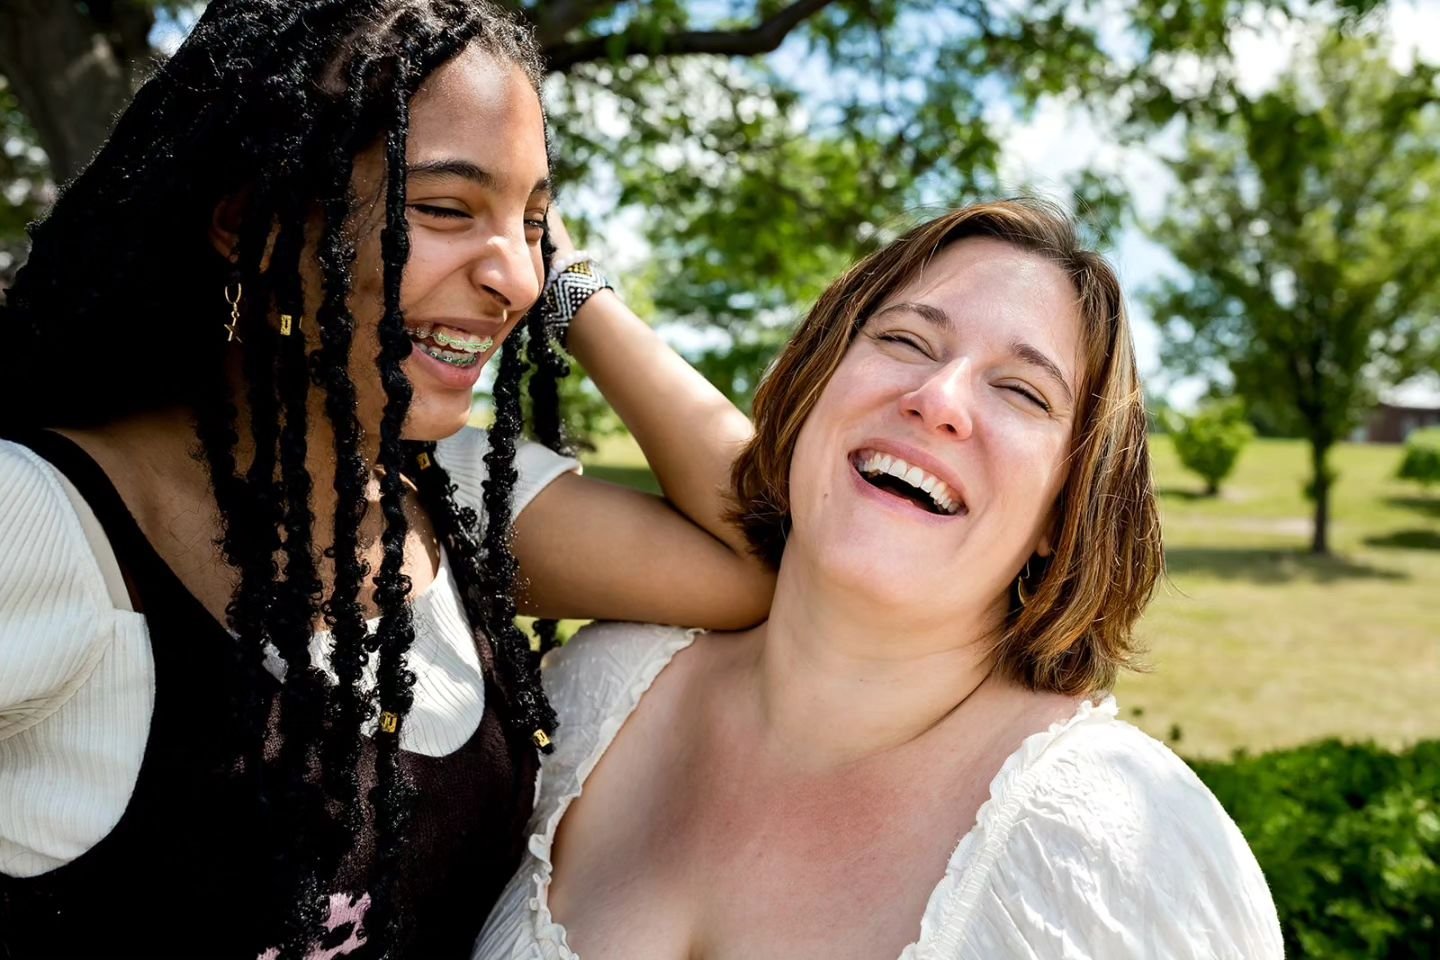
x=448, y=213
x=1030, y=395
x=904, y=339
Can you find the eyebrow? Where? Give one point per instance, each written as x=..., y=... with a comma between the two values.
x=438, y=169
x=1030, y=354
x=1024, y=352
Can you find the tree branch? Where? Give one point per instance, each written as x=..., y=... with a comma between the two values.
x=764, y=37
x=555, y=18
x=67, y=73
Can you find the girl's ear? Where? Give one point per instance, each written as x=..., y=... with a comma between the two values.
x=225, y=221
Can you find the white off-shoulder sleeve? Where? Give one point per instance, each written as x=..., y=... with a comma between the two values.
x=1121, y=853
x=69, y=737
x=54, y=602
x=594, y=683
x=463, y=456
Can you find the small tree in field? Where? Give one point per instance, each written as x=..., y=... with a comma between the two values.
x=1307, y=219
x=1209, y=441
x=1422, y=458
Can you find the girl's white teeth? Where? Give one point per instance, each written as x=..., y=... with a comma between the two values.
x=455, y=358
x=873, y=464
x=449, y=337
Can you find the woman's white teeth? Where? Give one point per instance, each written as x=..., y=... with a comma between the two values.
x=873, y=464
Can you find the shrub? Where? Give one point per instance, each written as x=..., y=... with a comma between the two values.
x=1349, y=838
x=1209, y=441
x=1421, y=462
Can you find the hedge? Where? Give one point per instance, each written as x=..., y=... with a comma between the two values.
x=1349, y=838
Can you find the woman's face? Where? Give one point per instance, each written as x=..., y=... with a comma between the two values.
x=965, y=382
x=477, y=192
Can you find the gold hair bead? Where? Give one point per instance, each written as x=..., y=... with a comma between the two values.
x=286, y=324
x=389, y=722
x=424, y=461
x=541, y=739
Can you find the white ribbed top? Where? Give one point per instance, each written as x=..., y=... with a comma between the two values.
x=77, y=680
x=1096, y=843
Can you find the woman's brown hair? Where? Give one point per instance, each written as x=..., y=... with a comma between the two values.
x=1073, y=631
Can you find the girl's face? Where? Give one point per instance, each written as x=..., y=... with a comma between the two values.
x=477, y=192
x=964, y=382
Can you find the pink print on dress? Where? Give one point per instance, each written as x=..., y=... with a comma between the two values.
x=347, y=918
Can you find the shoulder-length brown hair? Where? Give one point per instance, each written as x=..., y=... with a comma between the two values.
x=1075, y=631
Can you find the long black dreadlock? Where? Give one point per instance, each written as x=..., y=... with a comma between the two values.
x=270, y=101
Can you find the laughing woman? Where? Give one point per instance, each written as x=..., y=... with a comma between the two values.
x=261, y=691
x=916, y=754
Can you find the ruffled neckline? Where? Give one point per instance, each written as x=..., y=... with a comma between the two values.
x=970, y=861
x=965, y=871
x=548, y=933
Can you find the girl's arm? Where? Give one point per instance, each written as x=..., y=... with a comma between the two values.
x=593, y=549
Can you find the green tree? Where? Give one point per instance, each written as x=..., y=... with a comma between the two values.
x=1308, y=220
x=1209, y=441
x=1421, y=462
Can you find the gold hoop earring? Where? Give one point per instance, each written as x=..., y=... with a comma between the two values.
x=231, y=328
x=1021, y=590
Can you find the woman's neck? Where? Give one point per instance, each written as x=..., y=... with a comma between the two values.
x=839, y=676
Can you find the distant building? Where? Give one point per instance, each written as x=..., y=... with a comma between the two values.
x=1401, y=411
x=1392, y=424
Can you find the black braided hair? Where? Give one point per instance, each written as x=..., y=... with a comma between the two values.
x=550, y=368
x=270, y=101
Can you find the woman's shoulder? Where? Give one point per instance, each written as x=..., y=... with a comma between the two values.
x=1107, y=827
x=463, y=456
x=596, y=680
x=1112, y=766
x=1124, y=796
x=606, y=668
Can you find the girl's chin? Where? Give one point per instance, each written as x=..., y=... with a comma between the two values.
x=430, y=420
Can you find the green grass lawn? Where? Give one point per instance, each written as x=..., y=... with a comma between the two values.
x=1253, y=643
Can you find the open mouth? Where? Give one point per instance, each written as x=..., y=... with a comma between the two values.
x=449, y=344
x=896, y=477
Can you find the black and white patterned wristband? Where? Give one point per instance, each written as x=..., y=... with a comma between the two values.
x=573, y=280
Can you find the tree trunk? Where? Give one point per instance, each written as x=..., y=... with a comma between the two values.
x=1320, y=541
x=71, y=72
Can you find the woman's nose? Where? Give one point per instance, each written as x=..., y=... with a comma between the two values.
x=508, y=269
x=944, y=402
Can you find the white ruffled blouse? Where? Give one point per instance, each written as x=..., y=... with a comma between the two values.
x=1096, y=842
